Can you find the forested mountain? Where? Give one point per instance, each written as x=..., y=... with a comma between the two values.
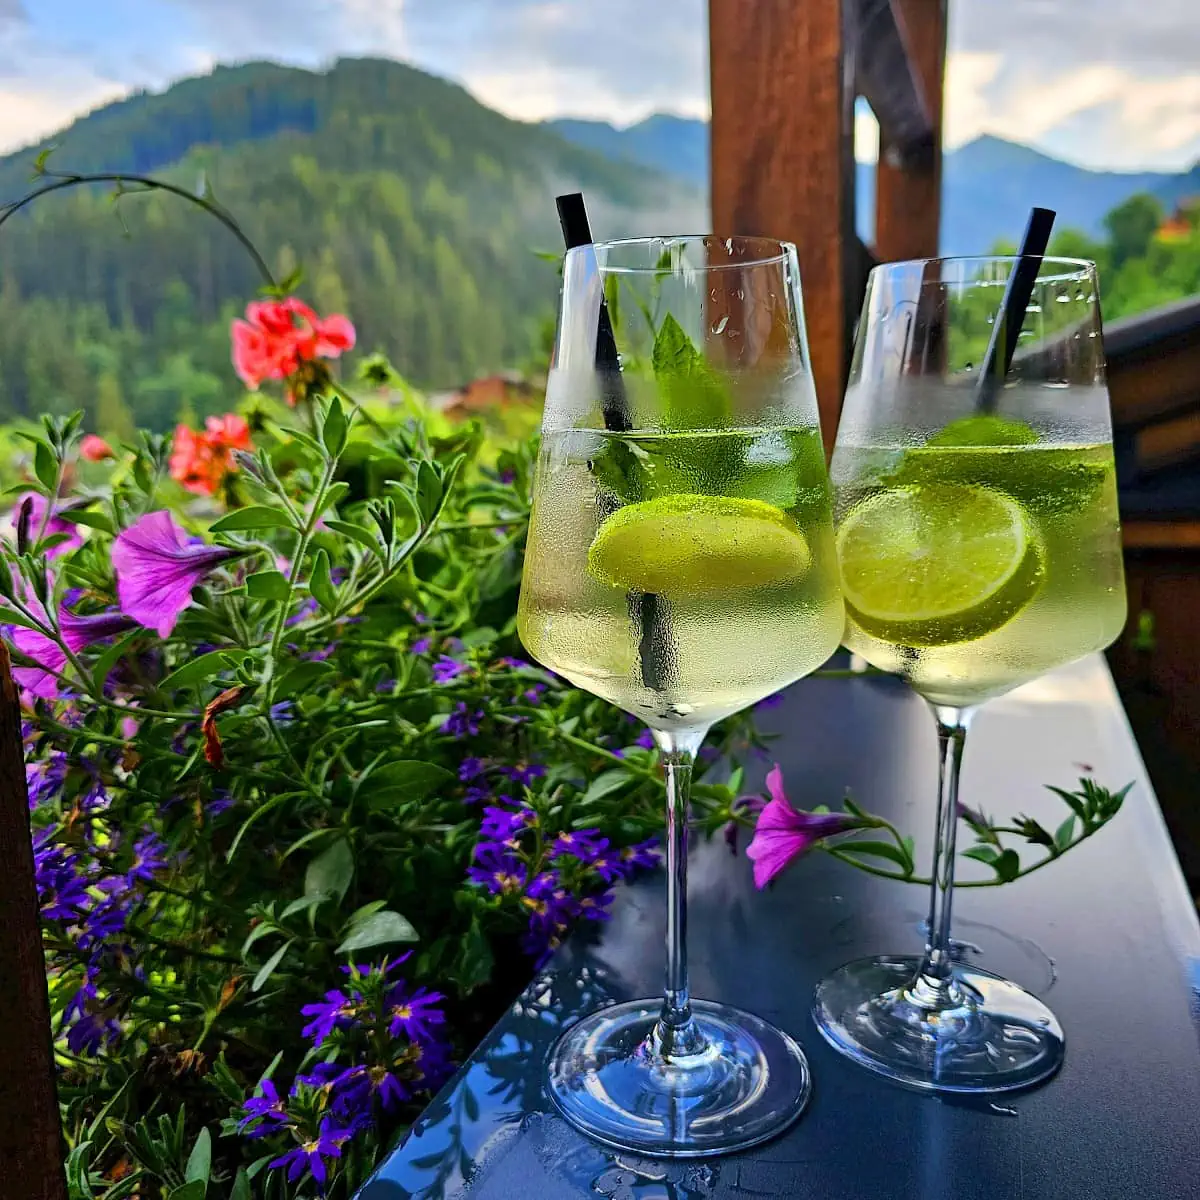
x=989, y=184
x=413, y=208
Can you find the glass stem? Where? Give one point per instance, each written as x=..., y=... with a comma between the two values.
x=676, y=1034
x=934, y=986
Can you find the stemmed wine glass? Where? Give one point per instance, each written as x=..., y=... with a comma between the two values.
x=979, y=547
x=680, y=565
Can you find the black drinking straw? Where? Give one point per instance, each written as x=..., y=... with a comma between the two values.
x=572, y=216
x=1007, y=327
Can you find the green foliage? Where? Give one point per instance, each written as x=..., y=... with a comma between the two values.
x=346, y=670
x=1131, y=227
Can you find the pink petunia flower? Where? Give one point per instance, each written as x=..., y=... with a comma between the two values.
x=157, y=568
x=77, y=632
x=783, y=834
x=55, y=524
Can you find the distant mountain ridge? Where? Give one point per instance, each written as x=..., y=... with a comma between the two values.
x=989, y=183
x=412, y=207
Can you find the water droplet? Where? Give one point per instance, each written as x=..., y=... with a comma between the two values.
x=969, y=367
x=1056, y=383
x=885, y=313
x=719, y=327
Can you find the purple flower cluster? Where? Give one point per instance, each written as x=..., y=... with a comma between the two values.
x=394, y=1034
x=93, y=905
x=558, y=878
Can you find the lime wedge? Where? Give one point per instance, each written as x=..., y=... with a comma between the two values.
x=689, y=545
x=937, y=565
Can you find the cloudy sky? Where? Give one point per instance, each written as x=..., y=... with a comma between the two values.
x=1107, y=83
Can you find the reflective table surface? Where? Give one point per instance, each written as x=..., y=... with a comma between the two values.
x=1108, y=937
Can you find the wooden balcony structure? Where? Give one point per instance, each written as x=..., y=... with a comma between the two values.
x=785, y=77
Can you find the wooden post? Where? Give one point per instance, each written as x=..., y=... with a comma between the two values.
x=31, y=1147
x=783, y=157
x=908, y=185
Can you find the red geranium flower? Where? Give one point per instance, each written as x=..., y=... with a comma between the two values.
x=200, y=460
x=278, y=336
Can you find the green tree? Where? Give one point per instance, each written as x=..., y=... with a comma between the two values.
x=1132, y=225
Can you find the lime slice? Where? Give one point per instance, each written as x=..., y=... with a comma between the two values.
x=937, y=565
x=689, y=545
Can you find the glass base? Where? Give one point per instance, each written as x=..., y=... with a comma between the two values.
x=745, y=1083
x=980, y=1034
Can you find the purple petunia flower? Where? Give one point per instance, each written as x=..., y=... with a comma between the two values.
x=337, y=1011
x=265, y=1112
x=476, y=794
x=772, y=701
x=515, y=664
x=609, y=866
x=310, y=1156
x=447, y=669
x=462, y=722
x=595, y=908
x=77, y=632
x=750, y=804
x=157, y=567
x=534, y=694
x=414, y=1014
x=54, y=524
x=421, y=645
x=783, y=834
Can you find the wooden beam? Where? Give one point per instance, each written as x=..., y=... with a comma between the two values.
x=783, y=158
x=1142, y=534
x=908, y=185
x=888, y=79
x=31, y=1146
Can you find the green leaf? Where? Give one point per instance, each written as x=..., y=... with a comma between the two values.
x=1007, y=866
x=9, y=616
x=606, y=783
x=241, y=1186
x=336, y=494
x=428, y=491
x=78, y=1182
x=268, y=968
x=330, y=873
x=143, y=474
x=189, y=1191
x=320, y=585
x=416, y=779
x=356, y=533
x=300, y=905
x=197, y=670
x=93, y=520
x=333, y=432
x=874, y=849
x=255, y=516
x=482, y=635
x=301, y=675
x=199, y=1163
x=983, y=854
x=1064, y=835
x=379, y=929
x=691, y=389
x=267, y=585
x=1074, y=802
x=45, y=466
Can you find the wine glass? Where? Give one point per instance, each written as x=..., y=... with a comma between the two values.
x=979, y=547
x=680, y=565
